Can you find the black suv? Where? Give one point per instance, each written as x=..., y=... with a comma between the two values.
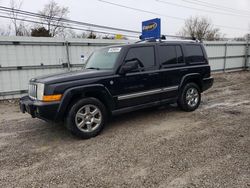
x=118, y=79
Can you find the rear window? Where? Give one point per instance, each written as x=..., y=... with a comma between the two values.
x=194, y=54
x=170, y=55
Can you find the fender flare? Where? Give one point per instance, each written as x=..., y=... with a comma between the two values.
x=71, y=92
x=190, y=76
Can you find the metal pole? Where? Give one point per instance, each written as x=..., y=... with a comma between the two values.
x=247, y=51
x=225, y=58
x=67, y=52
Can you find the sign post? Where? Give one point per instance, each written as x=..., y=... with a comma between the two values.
x=151, y=29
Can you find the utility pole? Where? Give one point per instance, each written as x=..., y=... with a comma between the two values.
x=247, y=54
x=225, y=58
x=67, y=53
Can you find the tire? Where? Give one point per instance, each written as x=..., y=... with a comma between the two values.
x=86, y=118
x=190, y=97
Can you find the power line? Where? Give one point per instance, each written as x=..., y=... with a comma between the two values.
x=68, y=27
x=141, y=10
x=36, y=15
x=79, y=25
x=27, y=13
x=173, y=17
x=200, y=9
x=216, y=6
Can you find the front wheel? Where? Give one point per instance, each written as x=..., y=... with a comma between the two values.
x=190, y=97
x=86, y=118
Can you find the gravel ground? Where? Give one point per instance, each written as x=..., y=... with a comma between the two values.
x=158, y=147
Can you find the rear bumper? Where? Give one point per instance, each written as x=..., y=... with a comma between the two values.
x=37, y=109
x=207, y=83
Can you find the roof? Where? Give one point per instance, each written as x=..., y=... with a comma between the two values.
x=142, y=43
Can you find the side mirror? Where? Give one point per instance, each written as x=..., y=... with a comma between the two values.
x=129, y=66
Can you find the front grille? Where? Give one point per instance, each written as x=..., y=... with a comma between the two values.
x=32, y=91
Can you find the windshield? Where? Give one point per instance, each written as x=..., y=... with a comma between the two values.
x=103, y=58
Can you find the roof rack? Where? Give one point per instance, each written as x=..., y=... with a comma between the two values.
x=184, y=40
x=174, y=38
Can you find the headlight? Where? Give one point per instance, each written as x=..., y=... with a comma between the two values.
x=36, y=92
x=40, y=91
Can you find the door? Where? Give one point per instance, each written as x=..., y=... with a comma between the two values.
x=172, y=69
x=141, y=85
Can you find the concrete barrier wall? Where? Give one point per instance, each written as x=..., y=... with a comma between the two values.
x=226, y=56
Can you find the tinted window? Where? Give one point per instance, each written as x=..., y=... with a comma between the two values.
x=170, y=55
x=144, y=54
x=179, y=55
x=167, y=55
x=194, y=53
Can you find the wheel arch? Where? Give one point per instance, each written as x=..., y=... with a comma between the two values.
x=193, y=77
x=72, y=95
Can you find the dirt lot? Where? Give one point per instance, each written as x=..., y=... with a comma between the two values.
x=159, y=147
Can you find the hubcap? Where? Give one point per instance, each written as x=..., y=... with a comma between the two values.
x=88, y=118
x=192, y=97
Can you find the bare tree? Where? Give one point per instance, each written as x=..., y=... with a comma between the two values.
x=73, y=34
x=20, y=28
x=40, y=32
x=248, y=33
x=53, y=15
x=91, y=35
x=200, y=28
x=5, y=32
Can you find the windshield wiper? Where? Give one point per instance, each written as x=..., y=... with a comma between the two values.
x=93, y=68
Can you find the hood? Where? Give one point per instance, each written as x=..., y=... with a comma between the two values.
x=72, y=76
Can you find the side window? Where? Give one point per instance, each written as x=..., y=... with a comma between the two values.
x=170, y=55
x=144, y=54
x=167, y=55
x=194, y=54
x=179, y=55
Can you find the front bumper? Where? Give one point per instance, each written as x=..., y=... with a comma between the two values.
x=207, y=83
x=37, y=109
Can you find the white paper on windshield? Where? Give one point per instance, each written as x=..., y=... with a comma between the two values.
x=114, y=50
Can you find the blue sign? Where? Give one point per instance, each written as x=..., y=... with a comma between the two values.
x=151, y=29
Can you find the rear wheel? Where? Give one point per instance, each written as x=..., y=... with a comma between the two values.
x=86, y=118
x=190, y=97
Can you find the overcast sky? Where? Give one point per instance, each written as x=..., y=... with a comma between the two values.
x=97, y=12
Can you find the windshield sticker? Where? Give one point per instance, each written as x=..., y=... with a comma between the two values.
x=114, y=50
